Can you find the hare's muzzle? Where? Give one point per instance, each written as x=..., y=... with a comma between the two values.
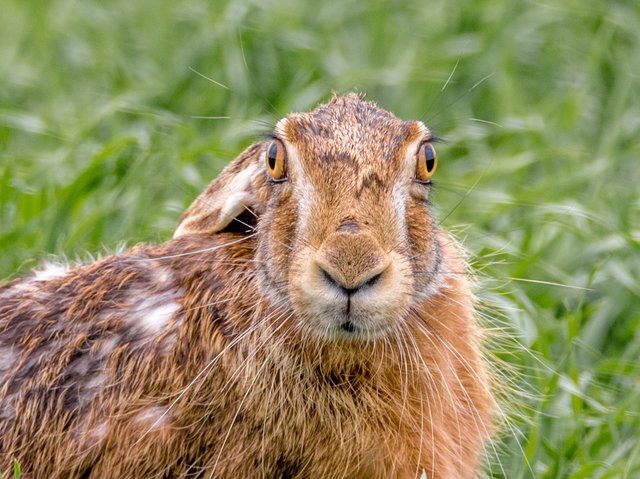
x=351, y=287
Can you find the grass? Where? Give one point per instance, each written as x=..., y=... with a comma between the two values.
x=102, y=141
x=17, y=472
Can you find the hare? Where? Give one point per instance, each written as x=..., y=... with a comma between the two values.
x=309, y=319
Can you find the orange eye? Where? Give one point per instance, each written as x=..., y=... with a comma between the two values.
x=427, y=162
x=275, y=157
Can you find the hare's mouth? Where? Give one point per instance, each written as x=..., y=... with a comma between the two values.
x=347, y=326
x=350, y=329
x=357, y=319
x=335, y=324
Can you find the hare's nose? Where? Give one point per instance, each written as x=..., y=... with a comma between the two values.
x=351, y=262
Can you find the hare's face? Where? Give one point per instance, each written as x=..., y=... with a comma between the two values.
x=346, y=238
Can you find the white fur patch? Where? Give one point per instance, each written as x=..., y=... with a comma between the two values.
x=81, y=366
x=50, y=271
x=93, y=381
x=153, y=314
x=100, y=431
x=8, y=357
x=163, y=277
x=108, y=345
x=7, y=410
x=154, y=417
x=19, y=288
x=97, y=381
x=92, y=435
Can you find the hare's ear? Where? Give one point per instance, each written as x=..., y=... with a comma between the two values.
x=231, y=196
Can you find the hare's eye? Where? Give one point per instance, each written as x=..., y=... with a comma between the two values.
x=427, y=162
x=275, y=157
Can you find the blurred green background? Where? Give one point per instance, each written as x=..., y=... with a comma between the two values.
x=114, y=115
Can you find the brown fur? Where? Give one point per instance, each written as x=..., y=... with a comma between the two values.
x=229, y=353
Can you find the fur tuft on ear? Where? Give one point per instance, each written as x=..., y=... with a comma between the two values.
x=231, y=195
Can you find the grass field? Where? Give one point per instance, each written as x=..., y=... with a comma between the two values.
x=114, y=115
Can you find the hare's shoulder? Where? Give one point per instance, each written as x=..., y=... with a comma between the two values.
x=75, y=331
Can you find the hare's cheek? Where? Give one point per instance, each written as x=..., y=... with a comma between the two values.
x=277, y=231
x=425, y=248
x=282, y=226
x=428, y=267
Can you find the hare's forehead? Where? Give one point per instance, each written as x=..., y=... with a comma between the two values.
x=351, y=141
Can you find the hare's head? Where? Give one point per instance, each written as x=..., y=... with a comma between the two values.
x=339, y=201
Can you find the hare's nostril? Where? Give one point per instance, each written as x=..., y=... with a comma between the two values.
x=330, y=279
x=349, y=290
x=373, y=280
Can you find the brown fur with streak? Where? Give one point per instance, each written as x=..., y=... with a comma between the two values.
x=337, y=339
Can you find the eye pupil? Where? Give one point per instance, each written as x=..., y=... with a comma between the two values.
x=272, y=156
x=430, y=164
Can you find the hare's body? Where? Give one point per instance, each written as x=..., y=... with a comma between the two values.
x=209, y=356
